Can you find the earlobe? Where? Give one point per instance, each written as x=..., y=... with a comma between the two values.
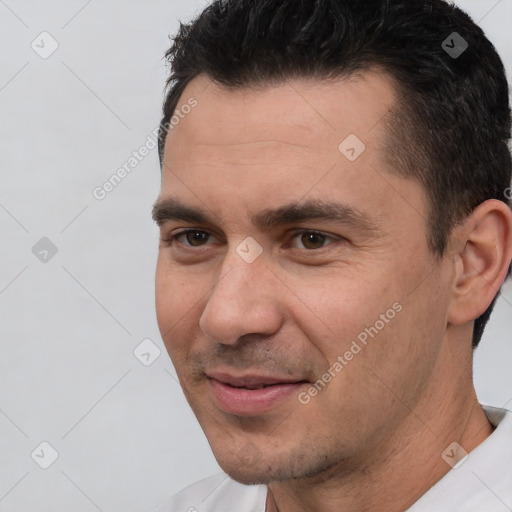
x=481, y=265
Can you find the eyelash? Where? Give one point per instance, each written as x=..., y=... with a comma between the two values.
x=174, y=239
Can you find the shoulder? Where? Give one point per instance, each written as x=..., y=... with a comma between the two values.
x=218, y=493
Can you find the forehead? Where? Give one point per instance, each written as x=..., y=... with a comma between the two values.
x=308, y=112
x=240, y=151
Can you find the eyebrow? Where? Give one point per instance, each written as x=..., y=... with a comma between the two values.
x=293, y=213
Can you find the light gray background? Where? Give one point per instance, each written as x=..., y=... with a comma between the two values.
x=125, y=436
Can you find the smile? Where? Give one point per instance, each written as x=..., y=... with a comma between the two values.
x=249, y=396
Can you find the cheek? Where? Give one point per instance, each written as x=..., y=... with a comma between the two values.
x=165, y=298
x=341, y=308
x=176, y=300
x=372, y=320
x=402, y=356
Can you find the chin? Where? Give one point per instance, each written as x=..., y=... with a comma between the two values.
x=249, y=477
x=250, y=467
x=256, y=475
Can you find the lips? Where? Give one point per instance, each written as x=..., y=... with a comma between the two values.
x=251, y=395
x=251, y=381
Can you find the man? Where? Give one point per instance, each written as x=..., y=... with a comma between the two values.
x=335, y=229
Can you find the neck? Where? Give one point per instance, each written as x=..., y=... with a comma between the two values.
x=397, y=472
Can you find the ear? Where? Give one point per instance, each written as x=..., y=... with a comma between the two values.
x=481, y=263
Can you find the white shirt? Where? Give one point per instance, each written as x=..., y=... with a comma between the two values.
x=482, y=483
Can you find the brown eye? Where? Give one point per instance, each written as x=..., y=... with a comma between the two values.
x=312, y=240
x=196, y=238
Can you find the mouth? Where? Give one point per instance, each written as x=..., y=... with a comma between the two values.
x=253, y=387
x=252, y=381
x=251, y=394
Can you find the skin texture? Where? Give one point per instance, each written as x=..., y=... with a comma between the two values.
x=372, y=439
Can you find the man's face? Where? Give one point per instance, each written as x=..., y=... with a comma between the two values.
x=261, y=292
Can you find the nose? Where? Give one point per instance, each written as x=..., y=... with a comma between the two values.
x=243, y=301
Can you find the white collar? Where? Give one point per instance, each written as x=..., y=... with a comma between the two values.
x=483, y=481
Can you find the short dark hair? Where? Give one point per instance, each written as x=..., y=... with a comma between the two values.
x=449, y=130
